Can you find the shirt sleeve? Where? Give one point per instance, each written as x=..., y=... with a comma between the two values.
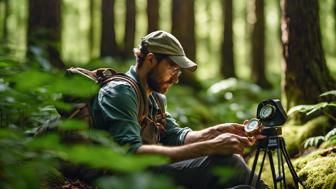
x=119, y=109
x=174, y=135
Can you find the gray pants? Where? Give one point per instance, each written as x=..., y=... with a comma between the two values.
x=198, y=173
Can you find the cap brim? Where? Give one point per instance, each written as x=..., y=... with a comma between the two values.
x=184, y=62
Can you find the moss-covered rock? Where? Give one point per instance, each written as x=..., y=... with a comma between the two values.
x=295, y=135
x=318, y=169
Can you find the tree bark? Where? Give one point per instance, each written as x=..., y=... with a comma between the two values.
x=129, y=36
x=108, y=45
x=258, y=46
x=5, y=21
x=183, y=28
x=306, y=74
x=91, y=27
x=227, y=68
x=44, y=30
x=152, y=15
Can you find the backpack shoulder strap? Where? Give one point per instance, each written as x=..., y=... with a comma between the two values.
x=141, y=98
x=162, y=112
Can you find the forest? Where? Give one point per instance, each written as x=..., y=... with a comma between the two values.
x=247, y=51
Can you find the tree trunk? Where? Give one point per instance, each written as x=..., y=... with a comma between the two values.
x=227, y=68
x=258, y=46
x=306, y=74
x=5, y=21
x=152, y=15
x=44, y=30
x=183, y=28
x=335, y=22
x=129, y=36
x=91, y=27
x=108, y=45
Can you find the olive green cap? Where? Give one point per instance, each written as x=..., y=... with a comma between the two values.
x=165, y=43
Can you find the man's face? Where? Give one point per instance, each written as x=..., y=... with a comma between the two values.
x=163, y=75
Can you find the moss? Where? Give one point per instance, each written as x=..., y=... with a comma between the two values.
x=316, y=169
x=295, y=135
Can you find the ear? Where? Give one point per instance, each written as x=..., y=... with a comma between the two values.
x=150, y=60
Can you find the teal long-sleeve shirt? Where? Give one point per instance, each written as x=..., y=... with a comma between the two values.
x=115, y=109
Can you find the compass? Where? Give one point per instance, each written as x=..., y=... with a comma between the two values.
x=252, y=125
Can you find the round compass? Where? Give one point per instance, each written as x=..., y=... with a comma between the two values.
x=252, y=125
x=267, y=111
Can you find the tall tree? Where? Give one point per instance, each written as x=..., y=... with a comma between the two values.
x=5, y=20
x=152, y=15
x=335, y=20
x=44, y=30
x=306, y=74
x=258, y=46
x=184, y=31
x=108, y=45
x=91, y=27
x=227, y=68
x=129, y=36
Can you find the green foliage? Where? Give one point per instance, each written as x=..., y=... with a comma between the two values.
x=329, y=140
x=139, y=180
x=317, y=169
x=228, y=100
x=319, y=107
x=26, y=108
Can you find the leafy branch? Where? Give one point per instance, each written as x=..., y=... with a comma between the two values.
x=310, y=109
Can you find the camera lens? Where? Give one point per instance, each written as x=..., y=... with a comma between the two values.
x=267, y=111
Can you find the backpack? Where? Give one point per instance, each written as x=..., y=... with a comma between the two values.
x=82, y=107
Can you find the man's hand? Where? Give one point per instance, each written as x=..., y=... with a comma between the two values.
x=227, y=143
x=233, y=128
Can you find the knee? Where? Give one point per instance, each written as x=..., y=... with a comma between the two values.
x=233, y=161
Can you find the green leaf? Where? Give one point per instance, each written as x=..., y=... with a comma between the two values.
x=314, y=142
x=72, y=124
x=30, y=80
x=104, y=157
x=332, y=92
x=74, y=86
x=309, y=109
x=46, y=142
x=225, y=174
x=330, y=134
x=317, y=107
x=300, y=108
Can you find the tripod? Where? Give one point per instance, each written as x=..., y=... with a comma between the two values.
x=268, y=145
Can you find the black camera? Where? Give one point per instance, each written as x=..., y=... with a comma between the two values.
x=270, y=113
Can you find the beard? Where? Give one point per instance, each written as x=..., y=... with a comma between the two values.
x=155, y=84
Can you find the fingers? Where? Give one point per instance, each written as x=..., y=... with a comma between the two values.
x=245, y=141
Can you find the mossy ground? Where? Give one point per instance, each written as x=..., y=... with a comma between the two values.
x=316, y=167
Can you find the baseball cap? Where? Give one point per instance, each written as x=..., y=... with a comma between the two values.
x=165, y=43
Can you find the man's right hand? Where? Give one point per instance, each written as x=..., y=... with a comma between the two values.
x=228, y=143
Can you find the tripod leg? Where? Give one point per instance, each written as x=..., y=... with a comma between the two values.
x=280, y=165
x=272, y=168
x=262, y=165
x=296, y=178
x=254, y=167
x=283, y=169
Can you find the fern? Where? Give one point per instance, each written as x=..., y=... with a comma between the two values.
x=331, y=134
x=314, y=142
x=330, y=137
x=309, y=109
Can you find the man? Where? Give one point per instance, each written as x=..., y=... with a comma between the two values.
x=160, y=60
